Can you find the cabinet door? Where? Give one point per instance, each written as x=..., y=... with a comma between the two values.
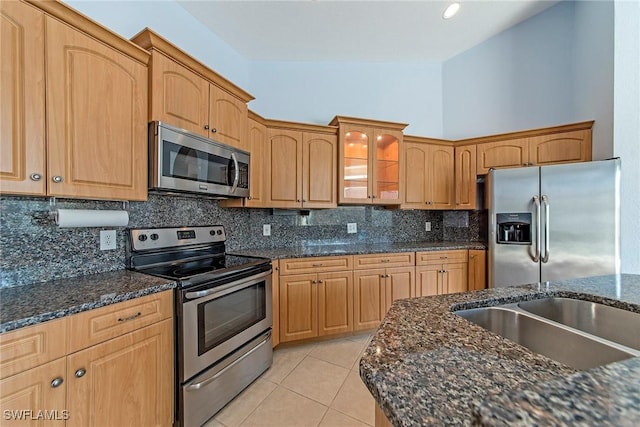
x=34, y=391
x=415, y=175
x=477, y=269
x=354, y=163
x=465, y=180
x=275, y=297
x=257, y=147
x=126, y=381
x=502, y=154
x=428, y=280
x=96, y=118
x=563, y=147
x=319, y=168
x=400, y=284
x=385, y=154
x=298, y=307
x=227, y=118
x=368, y=298
x=440, y=177
x=335, y=303
x=179, y=96
x=22, y=113
x=284, y=168
x=454, y=278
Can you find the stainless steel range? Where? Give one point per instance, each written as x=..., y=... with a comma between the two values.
x=223, y=313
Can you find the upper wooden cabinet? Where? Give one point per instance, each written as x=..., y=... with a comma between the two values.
x=300, y=167
x=96, y=109
x=466, y=177
x=428, y=174
x=369, y=161
x=560, y=144
x=187, y=94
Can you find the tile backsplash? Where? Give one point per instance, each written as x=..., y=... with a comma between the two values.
x=33, y=249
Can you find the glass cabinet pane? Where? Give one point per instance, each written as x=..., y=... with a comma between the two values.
x=356, y=171
x=387, y=164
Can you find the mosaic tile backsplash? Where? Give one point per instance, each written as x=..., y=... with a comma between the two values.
x=33, y=249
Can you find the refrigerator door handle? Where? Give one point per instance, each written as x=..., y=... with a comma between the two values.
x=547, y=206
x=536, y=202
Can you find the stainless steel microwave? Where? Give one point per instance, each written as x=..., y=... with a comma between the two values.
x=183, y=162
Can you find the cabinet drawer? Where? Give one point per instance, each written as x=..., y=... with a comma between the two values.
x=95, y=326
x=315, y=264
x=441, y=257
x=32, y=346
x=404, y=259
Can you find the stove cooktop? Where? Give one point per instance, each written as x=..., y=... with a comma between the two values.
x=217, y=264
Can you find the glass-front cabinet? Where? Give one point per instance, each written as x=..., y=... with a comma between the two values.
x=370, y=161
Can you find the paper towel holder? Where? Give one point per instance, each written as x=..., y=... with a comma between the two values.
x=53, y=208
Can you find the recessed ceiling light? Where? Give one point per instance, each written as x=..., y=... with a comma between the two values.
x=451, y=10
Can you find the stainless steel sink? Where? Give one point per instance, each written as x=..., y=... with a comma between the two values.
x=560, y=343
x=611, y=323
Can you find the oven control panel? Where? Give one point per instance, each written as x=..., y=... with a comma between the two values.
x=143, y=239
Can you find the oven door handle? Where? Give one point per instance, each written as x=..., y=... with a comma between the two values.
x=206, y=292
x=198, y=386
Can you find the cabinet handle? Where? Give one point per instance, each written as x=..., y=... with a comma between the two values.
x=457, y=203
x=126, y=319
x=57, y=382
x=316, y=265
x=320, y=281
x=206, y=127
x=298, y=200
x=304, y=201
x=385, y=260
x=314, y=282
x=472, y=256
x=444, y=257
x=214, y=130
x=249, y=197
x=373, y=197
x=80, y=373
x=35, y=177
x=57, y=179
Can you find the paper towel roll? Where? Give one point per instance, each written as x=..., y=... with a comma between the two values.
x=91, y=218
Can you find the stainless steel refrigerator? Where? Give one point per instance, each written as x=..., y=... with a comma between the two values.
x=554, y=222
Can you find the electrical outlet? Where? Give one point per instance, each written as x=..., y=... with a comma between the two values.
x=266, y=229
x=108, y=240
x=427, y=226
x=352, y=227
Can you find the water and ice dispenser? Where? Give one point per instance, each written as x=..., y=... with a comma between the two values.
x=514, y=228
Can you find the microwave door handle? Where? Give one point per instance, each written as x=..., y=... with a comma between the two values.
x=236, y=176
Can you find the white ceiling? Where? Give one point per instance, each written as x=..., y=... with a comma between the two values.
x=343, y=30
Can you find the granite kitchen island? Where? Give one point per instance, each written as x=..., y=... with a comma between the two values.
x=428, y=366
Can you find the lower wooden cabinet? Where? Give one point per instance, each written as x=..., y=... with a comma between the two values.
x=122, y=380
x=441, y=272
x=477, y=269
x=315, y=304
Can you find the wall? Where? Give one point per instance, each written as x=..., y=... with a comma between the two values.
x=317, y=91
x=172, y=22
x=626, y=141
x=33, y=249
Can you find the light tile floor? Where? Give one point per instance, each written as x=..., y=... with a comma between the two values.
x=313, y=384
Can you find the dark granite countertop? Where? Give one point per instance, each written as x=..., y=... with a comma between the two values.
x=428, y=366
x=356, y=249
x=26, y=305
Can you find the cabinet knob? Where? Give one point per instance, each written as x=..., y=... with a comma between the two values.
x=57, y=179
x=320, y=281
x=206, y=127
x=57, y=382
x=304, y=201
x=298, y=200
x=373, y=197
x=457, y=203
x=80, y=373
x=249, y=197
x=35, y=177
x=214, y=130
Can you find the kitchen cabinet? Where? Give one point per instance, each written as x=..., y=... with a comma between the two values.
x=318, y=302
x=187, y=94
x=465, y=177
x=369, y=161
x=380, y=279
x=108, y=366
x=275, y=297
x=560, y=144
x=257, y=176
x=60, y=141
x=477, y=269
x=300, y=167
x=441, y=272
x=428, y=175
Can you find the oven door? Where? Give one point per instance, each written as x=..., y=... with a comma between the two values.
x=220, y=319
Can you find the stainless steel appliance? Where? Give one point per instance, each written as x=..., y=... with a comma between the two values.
x=554, y=222
x=180, y=161
x=223, y=313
